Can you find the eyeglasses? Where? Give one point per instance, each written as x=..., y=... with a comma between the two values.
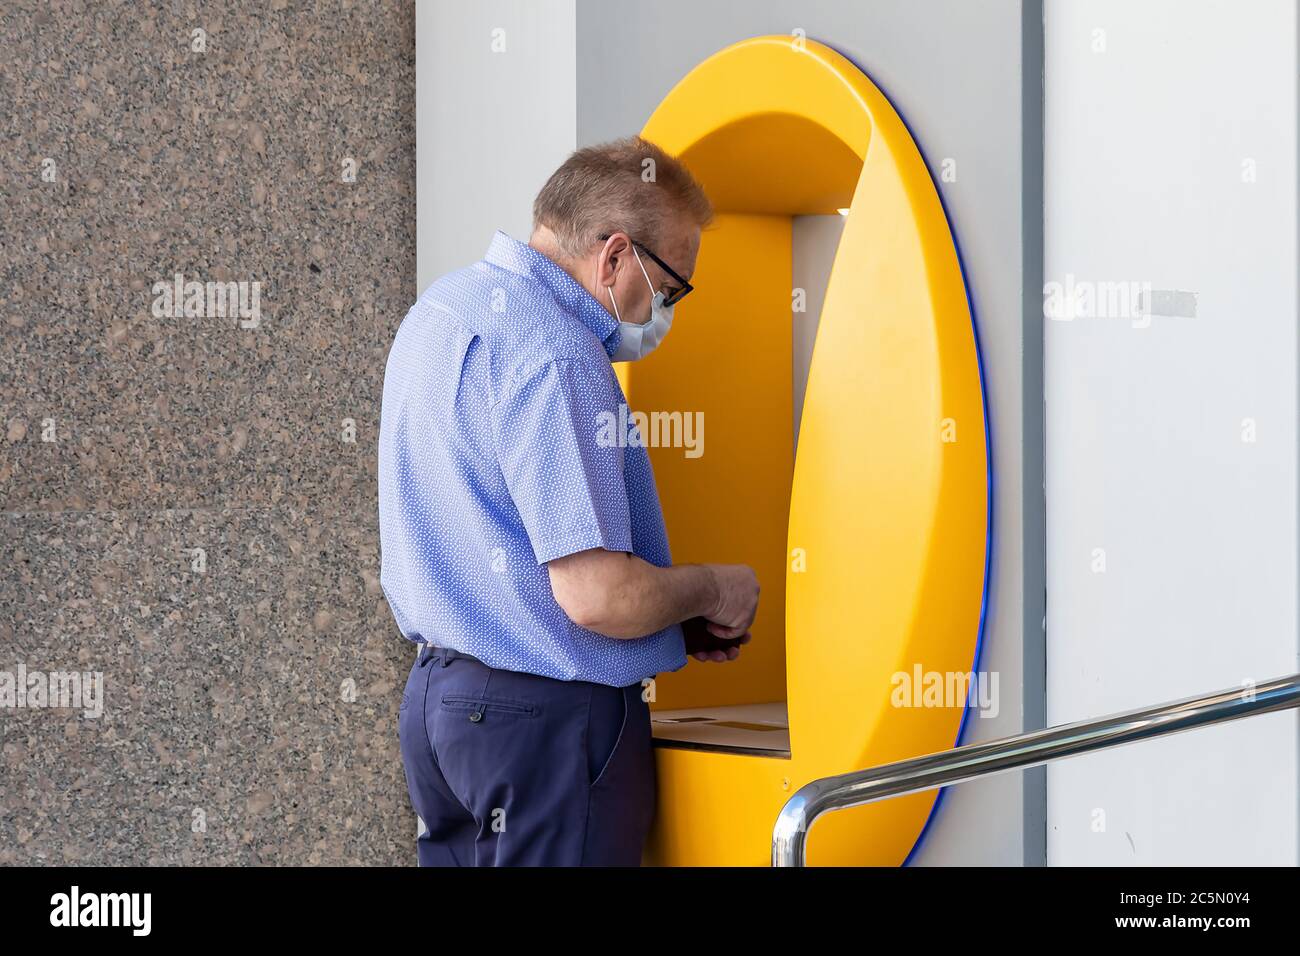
x=683, y=286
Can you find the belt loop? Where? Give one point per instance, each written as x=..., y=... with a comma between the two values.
x=447, y=652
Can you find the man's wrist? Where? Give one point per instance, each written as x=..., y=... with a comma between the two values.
x=711, y=595
x=694, y=591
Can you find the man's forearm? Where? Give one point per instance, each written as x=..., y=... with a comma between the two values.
x=653, y=598
x=620, y=595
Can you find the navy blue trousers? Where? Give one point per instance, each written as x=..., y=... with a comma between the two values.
x=513, y=769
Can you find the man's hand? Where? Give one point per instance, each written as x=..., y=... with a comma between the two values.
x=704, y=646
x=718, y=635
x=737, y=600
x=619, y=595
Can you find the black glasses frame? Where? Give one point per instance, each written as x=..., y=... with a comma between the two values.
x=684, y=286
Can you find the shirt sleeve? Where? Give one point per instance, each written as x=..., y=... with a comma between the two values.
x=553, y=431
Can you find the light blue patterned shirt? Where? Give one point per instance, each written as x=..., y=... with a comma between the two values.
x=491, y=464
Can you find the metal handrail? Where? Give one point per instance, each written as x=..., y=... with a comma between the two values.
x=975, y=761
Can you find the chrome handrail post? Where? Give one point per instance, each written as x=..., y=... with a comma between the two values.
x=975, y=761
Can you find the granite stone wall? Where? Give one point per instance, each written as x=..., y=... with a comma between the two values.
x=188, y=482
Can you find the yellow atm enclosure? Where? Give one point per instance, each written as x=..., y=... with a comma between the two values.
x=871, y=543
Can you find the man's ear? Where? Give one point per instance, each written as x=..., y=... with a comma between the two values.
x=610, y=258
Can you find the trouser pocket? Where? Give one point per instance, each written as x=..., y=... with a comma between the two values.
x=606, y=727
x=512, y=748
x=621, y=799
x=479, y=708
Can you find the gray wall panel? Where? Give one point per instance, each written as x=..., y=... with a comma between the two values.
x=953, y=69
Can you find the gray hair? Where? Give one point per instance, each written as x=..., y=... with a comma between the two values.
x=628, y=185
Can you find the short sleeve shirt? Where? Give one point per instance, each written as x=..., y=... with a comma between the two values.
x=495, y=458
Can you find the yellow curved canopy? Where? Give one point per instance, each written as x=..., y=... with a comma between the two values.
x=870, y=546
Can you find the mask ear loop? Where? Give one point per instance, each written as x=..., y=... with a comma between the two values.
x=653, y=290
x=610, y=287
x=617, y=317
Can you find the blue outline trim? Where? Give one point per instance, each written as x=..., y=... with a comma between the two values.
x=988, y=440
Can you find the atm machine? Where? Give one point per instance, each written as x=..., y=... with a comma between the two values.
x=870, y=538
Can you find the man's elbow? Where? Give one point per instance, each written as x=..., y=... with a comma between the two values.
x=595, y=590
x=592, y=611
x=584, y=610
x=591, y=606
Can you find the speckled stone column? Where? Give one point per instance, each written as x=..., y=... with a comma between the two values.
x=189, y=493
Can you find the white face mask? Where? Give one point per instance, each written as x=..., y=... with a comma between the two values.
x=637, y=341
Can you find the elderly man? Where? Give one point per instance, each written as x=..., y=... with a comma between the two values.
x=527, y=557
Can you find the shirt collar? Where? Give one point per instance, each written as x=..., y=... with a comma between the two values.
x=509, y=253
